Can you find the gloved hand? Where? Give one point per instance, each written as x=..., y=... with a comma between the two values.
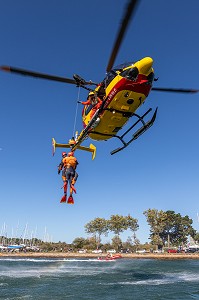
x=79, y=102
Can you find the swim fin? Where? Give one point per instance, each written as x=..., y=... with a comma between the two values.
x=70, y=200
x=63, y=199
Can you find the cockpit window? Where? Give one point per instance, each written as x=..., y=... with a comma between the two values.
x=110, y=76
x=130, y=74
x=150, y=78
x=113, y=73
x=122, y=66
x=88, y=109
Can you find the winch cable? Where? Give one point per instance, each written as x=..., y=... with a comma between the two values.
x=75, y=120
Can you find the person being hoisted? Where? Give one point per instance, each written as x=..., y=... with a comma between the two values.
x=69, y=175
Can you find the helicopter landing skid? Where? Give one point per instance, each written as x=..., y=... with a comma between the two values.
x=138, y=133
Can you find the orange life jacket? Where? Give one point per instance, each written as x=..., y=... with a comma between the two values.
x=69, y=161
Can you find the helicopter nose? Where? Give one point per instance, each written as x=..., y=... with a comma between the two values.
x=145, y=65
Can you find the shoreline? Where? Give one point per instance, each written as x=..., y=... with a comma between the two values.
x=171, y=256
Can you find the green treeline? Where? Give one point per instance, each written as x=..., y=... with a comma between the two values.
x=167, y=229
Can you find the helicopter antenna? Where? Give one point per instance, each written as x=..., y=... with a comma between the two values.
x=75, y=120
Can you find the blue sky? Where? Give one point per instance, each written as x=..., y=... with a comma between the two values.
x=160, y=170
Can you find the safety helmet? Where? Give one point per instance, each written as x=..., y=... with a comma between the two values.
x=71, y=153
x=63, y=153
x=91, y=94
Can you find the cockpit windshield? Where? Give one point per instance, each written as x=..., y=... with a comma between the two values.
x=113, y=73
x=122, y=66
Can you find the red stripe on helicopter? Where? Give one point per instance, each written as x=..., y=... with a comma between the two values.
x=141, y=86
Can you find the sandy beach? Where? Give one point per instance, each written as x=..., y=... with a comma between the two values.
x=92, y=255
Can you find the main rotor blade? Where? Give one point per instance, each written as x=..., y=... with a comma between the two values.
x=40, y=75
x=175, y=90
x=129, y=11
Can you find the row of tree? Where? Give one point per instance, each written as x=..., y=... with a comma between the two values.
x=166, y=227
x=116, y=224
x=169, y=227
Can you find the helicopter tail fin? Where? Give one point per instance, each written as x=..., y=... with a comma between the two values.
x=56, y=145
x=91, y=148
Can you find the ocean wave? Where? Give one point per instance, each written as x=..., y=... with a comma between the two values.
x=2, y=284
x=171, y=278
x=19, y=297
x=147, y=282
x=39, y=260
x=188, y=276
x=55, y=268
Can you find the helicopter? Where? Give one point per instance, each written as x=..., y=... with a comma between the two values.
x=123, y=90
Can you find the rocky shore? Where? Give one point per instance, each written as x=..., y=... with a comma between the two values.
x=170, y=256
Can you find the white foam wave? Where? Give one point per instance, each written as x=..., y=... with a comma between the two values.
x=38, y=260
x=188, y=277
x=3, y=284
x=171, y=278
x=20, y=297
x=147, y=282
x=53, y=267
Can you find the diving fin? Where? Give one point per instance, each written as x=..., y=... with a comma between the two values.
x=70, y=200
x=63, y=199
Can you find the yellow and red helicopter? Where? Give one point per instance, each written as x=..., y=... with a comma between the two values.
x=123, y=91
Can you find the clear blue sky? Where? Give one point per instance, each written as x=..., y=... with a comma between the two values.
x=160, y=170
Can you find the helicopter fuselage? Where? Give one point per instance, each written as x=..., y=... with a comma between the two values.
x=125, y=90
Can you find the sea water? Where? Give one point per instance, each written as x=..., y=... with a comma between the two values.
x=34, y=278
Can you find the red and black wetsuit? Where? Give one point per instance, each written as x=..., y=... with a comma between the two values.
x=69, y=164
